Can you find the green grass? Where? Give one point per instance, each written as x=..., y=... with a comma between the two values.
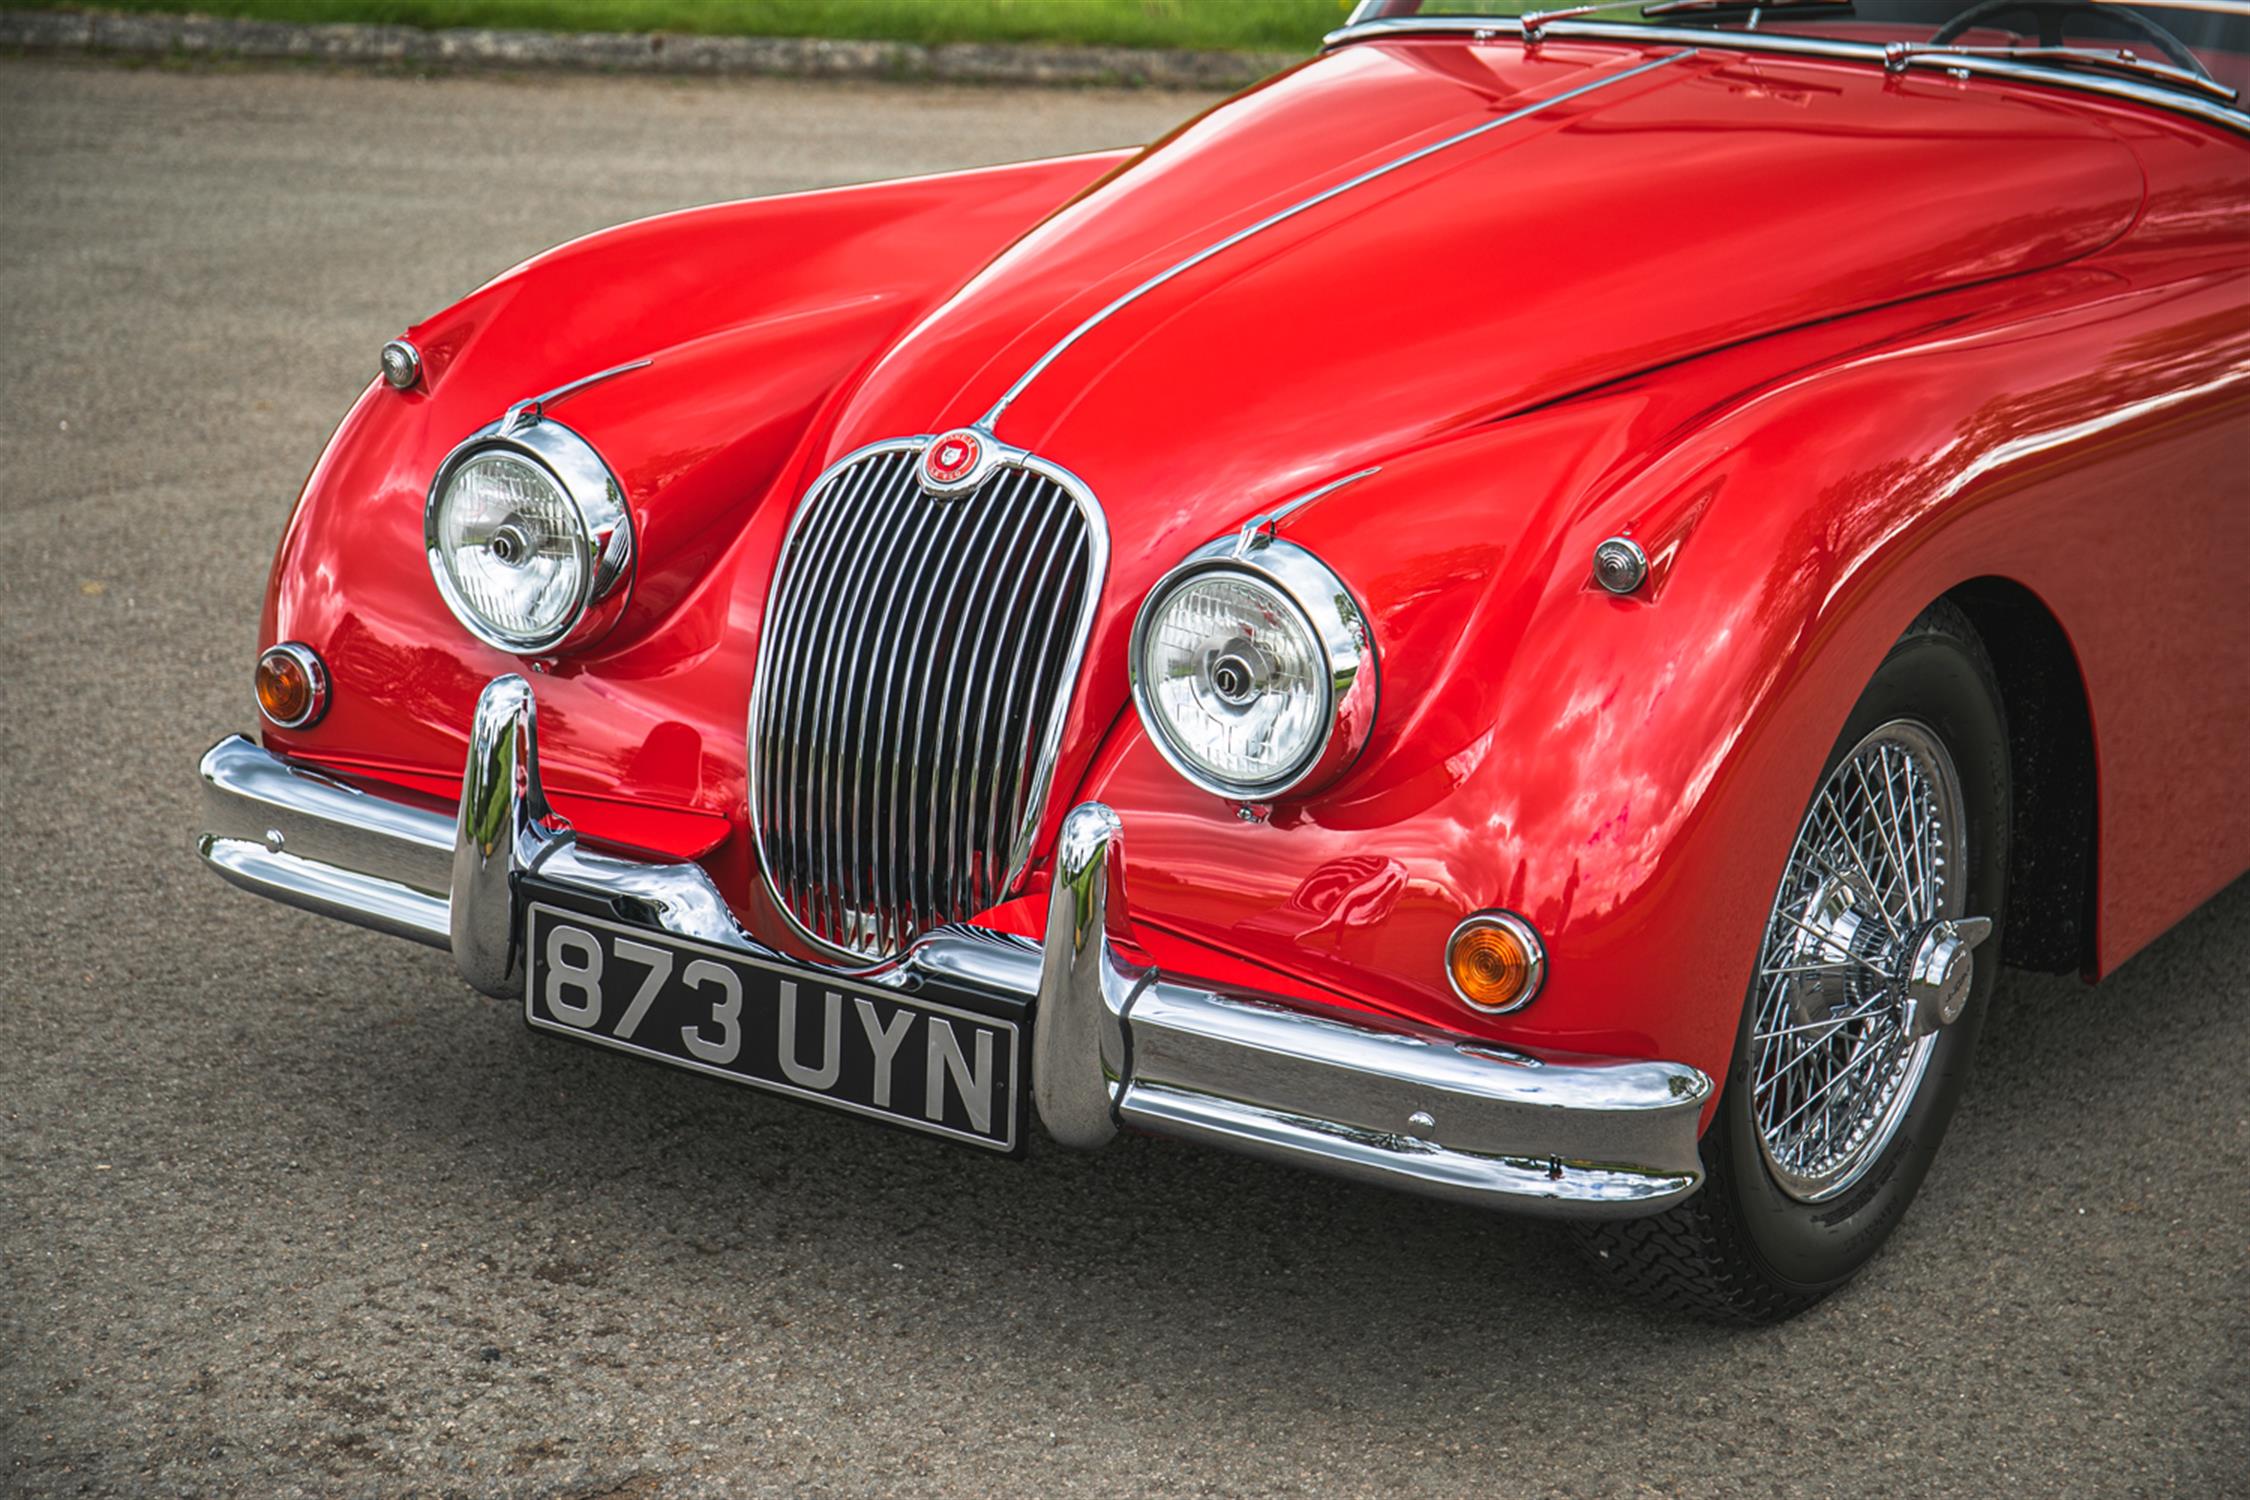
x=1256, y=25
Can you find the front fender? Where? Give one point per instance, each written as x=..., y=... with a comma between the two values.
x=754, y=314
x=1628, y=773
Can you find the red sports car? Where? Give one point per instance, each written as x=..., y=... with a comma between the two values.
x=1526, y=611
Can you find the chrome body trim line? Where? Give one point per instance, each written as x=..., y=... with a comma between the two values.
x=1511, y=27
x=1115, y=1043
x=916, y=569
x=1125, y=299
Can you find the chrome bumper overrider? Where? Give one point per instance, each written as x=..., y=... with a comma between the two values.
x=1113, y=1043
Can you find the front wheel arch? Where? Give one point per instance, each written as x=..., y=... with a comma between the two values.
x=2053, y=871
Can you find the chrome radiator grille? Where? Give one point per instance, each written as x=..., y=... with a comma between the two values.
x=914, y=672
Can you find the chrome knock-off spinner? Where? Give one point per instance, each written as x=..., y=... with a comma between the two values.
x=1938, y=975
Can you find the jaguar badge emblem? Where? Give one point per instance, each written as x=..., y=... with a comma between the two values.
x=952, y=459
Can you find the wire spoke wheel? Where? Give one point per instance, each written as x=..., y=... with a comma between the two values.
x=1862, y=1013
x=1834, y=1057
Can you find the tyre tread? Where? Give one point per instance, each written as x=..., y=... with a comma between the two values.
x=1691, y=1259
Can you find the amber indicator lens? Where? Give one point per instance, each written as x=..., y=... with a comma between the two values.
x=1495, y=961
x=292, y=686
x=284, y=691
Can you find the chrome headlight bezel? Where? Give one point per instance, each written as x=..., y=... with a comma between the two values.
x=604, y=542
x=1332, y=617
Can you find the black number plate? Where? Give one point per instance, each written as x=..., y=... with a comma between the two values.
x=900, y=1057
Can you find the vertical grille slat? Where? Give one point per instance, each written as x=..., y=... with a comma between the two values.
x=917, y=665
x=995, y=729
x=1004, y=809
x=925, y=776
x=954, y=731
x=965, y=863
x=788, y=617
x=1048, y=665
x=808, y=724
x=796, y=595
x=917, y=647
x=870, y=869
x=874, y=519
x=914, y=592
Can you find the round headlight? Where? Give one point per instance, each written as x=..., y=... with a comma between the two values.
x=1253, y=670
x=526, y=531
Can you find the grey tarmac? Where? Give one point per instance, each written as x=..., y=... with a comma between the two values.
x=286, y=1210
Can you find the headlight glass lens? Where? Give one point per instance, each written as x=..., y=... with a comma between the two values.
x=514, y=548
x=1235, y=674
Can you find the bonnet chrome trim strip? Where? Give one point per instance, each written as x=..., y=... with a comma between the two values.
x=1269, y=524
x=1039, y=367
x=535, y=407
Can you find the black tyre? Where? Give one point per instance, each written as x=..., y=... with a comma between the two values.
x=1871, y=984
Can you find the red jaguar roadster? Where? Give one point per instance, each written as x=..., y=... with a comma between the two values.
x=1526, y=611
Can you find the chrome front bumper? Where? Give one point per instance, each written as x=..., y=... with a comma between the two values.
x=1114, y=1044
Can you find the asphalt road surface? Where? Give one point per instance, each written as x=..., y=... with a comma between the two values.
x=285, y=1209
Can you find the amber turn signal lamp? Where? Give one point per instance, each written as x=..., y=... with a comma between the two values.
x=292, y=685
x=1496, y=961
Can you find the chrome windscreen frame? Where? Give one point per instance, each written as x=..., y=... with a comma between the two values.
x=1485, y=28
x=1000, y=457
